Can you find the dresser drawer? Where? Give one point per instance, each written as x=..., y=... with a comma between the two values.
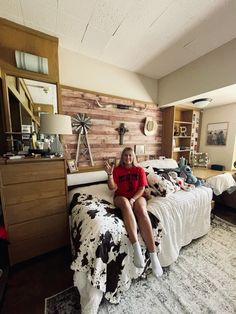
x=24, y=250
x=37, y=228
x=35, y=209
x=34, y=203
x=26, y=192
x=31, y=172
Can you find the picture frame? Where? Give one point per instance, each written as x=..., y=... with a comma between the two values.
x=217, y=133
x=200, y=160
x=140, y=158
x=72, y=166
x=139, y=150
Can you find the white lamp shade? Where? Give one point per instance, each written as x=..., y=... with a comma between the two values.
x=55, y=124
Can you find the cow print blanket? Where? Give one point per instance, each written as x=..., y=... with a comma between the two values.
x=101, y=247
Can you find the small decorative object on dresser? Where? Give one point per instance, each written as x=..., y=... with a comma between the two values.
x=72, y=166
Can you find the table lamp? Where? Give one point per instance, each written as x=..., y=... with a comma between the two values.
x=55, y=124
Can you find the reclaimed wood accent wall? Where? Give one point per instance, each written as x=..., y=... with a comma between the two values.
x=103, y=135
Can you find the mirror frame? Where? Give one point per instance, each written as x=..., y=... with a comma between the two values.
x=7, y=135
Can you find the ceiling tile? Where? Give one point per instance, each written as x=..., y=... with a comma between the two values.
x=71, y=27
x=78, y=9
x=94, y=42
x=109, y=14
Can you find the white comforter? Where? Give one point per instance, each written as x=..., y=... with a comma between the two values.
x=185, y=216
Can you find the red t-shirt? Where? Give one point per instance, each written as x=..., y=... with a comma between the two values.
x=129, y=180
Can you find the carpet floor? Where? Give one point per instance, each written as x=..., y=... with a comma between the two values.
x=202, y=280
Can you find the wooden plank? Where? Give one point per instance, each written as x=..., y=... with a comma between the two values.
x=18, y=213
x=32, y=191
x=31, y=172
x=103, y=136
x=56, y=237
x=37, y=228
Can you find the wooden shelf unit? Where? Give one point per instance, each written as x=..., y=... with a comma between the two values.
x=175, y=145
x=34, y=203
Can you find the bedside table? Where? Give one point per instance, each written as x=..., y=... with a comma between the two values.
x=204, y=173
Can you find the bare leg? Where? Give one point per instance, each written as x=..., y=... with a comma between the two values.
x=131, y=227
x=128, y=217
x=145, y=228
x=144, y=223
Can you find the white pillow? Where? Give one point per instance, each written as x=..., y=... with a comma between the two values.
x=166, y=163
x=100, y=190
x=220, y=183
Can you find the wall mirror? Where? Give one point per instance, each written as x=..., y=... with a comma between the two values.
x=27, y=100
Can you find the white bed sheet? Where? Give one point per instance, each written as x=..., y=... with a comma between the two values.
x=184, y=216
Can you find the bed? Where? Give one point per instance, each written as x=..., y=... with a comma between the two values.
x=102, y=254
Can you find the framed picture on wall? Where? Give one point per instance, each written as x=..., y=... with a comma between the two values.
x=72, y=166
x=217, y=133
x=139, y=150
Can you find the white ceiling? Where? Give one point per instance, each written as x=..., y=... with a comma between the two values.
x=150, y=37
x=221, y=96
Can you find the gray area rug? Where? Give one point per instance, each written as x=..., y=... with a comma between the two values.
x=202, y=280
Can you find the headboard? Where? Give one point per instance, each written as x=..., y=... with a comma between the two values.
x=75, y=179
x=80, y=178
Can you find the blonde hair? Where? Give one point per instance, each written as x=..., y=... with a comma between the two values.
x=130, y=150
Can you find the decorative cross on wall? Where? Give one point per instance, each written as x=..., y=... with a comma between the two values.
x=122, y=130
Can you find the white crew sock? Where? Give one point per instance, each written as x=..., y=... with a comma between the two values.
x=138, y=257
x=156, y=266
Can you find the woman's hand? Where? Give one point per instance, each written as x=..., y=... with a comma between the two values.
x=132, y=201
x=108, y=168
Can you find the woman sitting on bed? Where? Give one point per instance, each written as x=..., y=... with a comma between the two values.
x=129, y=183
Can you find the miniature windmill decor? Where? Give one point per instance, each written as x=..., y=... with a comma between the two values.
x=81, y=125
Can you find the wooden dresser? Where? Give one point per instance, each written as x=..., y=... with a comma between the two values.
x=34, y=203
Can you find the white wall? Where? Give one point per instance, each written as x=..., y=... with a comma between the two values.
x=214, y=70
x=223, y=155
x=79, y=71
